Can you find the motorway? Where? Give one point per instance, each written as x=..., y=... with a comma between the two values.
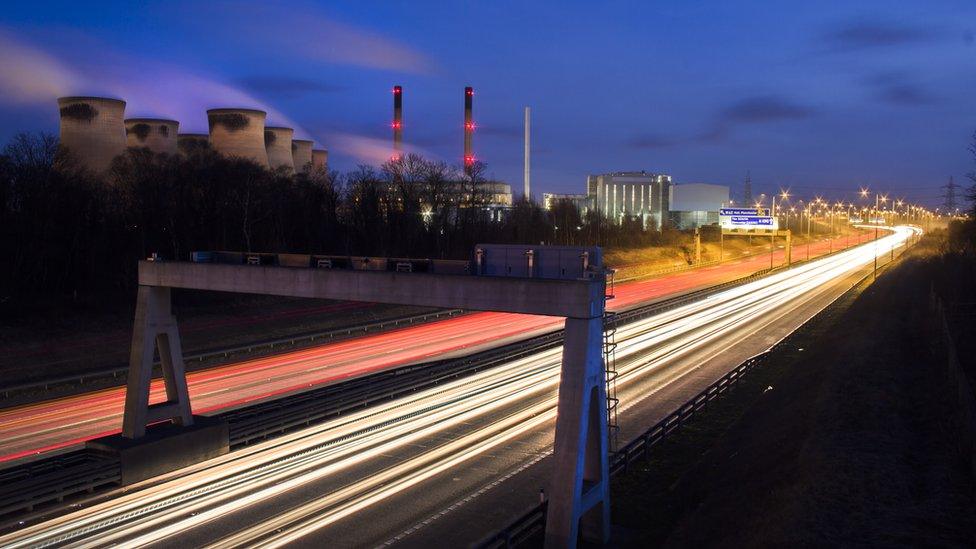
x=388, y=472
x=29, y=430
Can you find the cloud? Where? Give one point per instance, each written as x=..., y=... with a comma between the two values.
x=28, y=75
x=763, y=108
x=861, y=35
x=286, y=85
x=367, y=150
x=757, y=109
x=898, y=88
x=652, y=141
x=31, y=75
x=304, y=31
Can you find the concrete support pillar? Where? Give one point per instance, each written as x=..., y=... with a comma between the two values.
x=154, y=326
x=579, y=501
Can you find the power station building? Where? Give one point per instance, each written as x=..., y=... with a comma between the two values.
x=277, y=141
x=320, y=159
x=156, y=134
x=639, y=196
x=93, y=130
x=301, y=151
x=697, y=204
x=239, y=132
x=583, y=202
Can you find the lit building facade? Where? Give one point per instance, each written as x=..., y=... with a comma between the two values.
x=582, y=202
x=631, y=195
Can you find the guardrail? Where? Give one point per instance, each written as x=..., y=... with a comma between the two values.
x=267, y=419
x=53, y=479
x=330, y=335
x=533, y=521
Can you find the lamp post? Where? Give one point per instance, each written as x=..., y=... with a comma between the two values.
x=783, y=195
x=878, y=199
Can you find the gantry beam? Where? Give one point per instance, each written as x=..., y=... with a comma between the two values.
x=566, y=298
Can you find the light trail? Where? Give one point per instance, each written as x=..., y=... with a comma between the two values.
x=37, y=428
x=490, y=408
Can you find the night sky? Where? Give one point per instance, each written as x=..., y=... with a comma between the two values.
x=803, y=95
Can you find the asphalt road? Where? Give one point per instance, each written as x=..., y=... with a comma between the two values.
x=446, y=465
x=31, y=430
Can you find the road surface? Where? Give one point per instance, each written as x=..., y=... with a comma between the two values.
x=370, y=477
x=30, y=430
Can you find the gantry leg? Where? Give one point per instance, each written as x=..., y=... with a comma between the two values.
x=155, y=326
x=579, y=500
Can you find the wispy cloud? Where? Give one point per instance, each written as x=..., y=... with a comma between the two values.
x=30, y=75
x=899, y=88
x=866, y=34
x=306, y=31
x=753, y=110
x=286, y=86
x=763, y=108
x=366, y=150
x=653, y=141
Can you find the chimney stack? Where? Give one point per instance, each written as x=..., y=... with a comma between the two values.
x=468, y=129
x=526, y=180
x=397, y=122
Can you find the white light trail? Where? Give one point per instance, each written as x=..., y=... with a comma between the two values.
x=521, y=393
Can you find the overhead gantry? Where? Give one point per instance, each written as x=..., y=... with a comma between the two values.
x=567, y=282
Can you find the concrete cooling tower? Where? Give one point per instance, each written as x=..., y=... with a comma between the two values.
x=277, y=141
x=301, y=151
x=320, y=159
x=157, y=134
x=239, y=132
x=92, y=129
x=189, y=142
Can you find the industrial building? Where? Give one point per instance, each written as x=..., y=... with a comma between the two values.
x=189, y=142
x=631, y=195
x=697, y=204
x=92, y=129
x=239, y=133
x=301, y=151
x=320, y=160
x=156, y=134
x=277, y=142
x=583, y=202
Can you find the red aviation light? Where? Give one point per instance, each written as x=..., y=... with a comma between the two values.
x=469, y=159
x=469, y=126
x=395, y=125
x=397, y=90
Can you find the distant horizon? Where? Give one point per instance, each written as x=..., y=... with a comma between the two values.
x=821, y=100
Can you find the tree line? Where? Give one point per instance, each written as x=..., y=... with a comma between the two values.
x=65, y=230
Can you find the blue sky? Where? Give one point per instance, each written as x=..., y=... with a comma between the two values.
x=814, y=96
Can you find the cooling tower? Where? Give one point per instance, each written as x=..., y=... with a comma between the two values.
x=301, y=151
x=92, y=129
x=320, y=159
x=468, y=129
x=238, y=132
x=277, y=141
x=157, y=134
x=189, y=142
